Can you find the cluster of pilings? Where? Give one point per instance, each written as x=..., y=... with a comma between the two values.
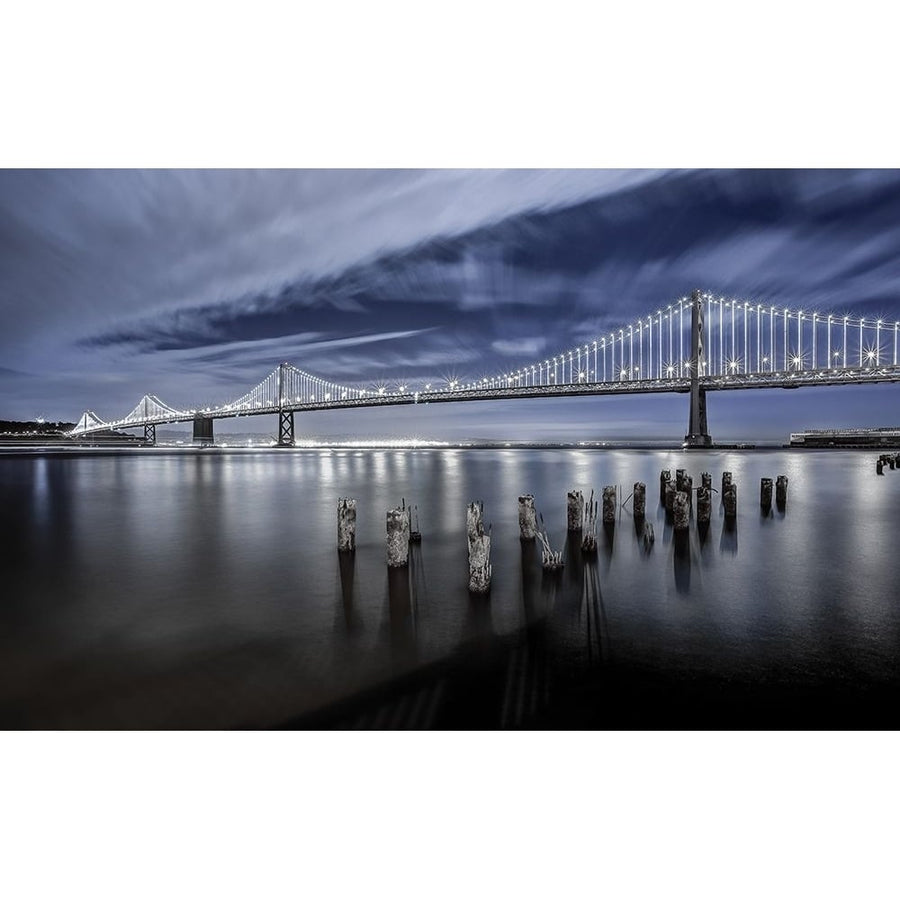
x=887, y=459
x=676, y=495
x=765, y=493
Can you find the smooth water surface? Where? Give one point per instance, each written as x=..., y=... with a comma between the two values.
x=148, y=589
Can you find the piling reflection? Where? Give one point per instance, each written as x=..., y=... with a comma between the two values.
x=728, y=543
x=596, y=629
x=400, y=615
x=346, y=574
x=681, y=557
x=532, y=602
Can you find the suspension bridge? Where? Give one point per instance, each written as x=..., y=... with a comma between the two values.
x=697, y=344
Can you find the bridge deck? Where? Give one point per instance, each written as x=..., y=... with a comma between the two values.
x=759, y=380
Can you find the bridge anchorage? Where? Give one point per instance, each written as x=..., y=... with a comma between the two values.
x=694, y=345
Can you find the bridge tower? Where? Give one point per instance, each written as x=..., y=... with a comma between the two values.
x=149, y=430
x=203, y=430
x=285, y=416
x=698, y=431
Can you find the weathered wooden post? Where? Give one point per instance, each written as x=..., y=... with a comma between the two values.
x=670, y=496
x=551, y=560
x=649, y=536
x=679, y=479
x=781, y=484
x=890, y=462
x=415, y=536
x=726, y=480
x=574, y=510
x=479, y=550
x=397, y=537
x=589, y=527
x=527, y=518
x=639, y=500
x=681, y=511
x=688, y=488
x=704, y=505
x=346, y=510
x=664, y=477
x=730, y=501
x=706, y=480
x=609, y=504
x=765, y=493
x=879, y=466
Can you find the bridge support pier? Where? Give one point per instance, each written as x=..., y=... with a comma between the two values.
x=698, y=430
x=203, y=430
x=285, y=428
x=150, y=434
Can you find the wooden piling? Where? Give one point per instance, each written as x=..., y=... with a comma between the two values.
x=706, y=480
x=681, y=511
x=688, y=487
x=670, y=496
x=704, y=504
x=574, y=510
x=679, y=479
x=649, y=536
x=730, y=501
x=415, y=536
x=609, y=504
x=527, y=518
x=765, y=493
x=589, y=527
x=639, y=500
x=879, y=466
x=479, y=550
x=726, y=480
x=398, y=537
x=781, y=485
x=346, y=510
x=664, y=477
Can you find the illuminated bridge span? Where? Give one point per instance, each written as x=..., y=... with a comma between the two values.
x=697, y=344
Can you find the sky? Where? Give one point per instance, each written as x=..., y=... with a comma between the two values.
x=193, y=285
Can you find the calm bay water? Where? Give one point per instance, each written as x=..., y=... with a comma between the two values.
x=204, y=589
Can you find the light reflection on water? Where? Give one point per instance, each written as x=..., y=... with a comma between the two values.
x=167, y=589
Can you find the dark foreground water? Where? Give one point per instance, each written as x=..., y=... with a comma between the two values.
x=204, y=589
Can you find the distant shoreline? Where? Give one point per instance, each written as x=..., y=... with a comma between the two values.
x=22, y=448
